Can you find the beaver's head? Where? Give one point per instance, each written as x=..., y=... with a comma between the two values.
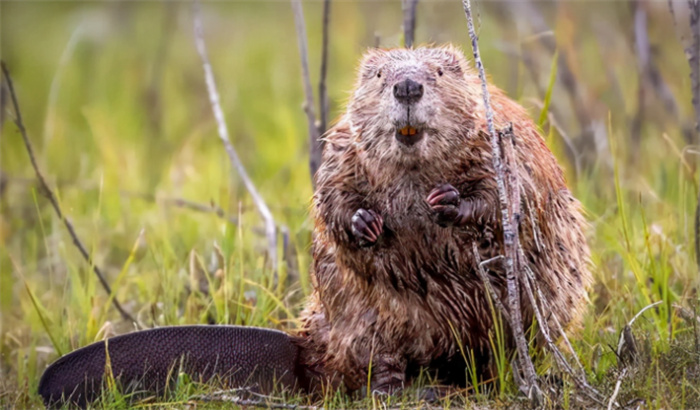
x=411, y=106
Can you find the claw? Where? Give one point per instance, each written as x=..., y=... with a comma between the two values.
x=445, y=203
x=366, y=226
x=445, y=195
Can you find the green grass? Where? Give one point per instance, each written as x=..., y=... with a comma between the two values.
x=129, y=118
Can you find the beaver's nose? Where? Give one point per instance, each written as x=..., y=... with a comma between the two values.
x=408, y=91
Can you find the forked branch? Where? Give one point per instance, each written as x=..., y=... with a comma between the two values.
x=518, y=274
x=54, y=202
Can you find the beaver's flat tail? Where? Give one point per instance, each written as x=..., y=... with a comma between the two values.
x=150, y=360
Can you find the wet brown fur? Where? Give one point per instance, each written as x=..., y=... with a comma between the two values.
x=397, y=302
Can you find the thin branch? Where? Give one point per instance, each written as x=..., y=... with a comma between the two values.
x=644, y=309
x=314, y=136
x=693, y=55
x=322, y=91
x=248, y=398
x=195, y=206
x=290, y=256
x=211, y=208
x=54, y=202
x=579, y=378
x=487, y=284
x=532, y=283
x=409, y=22
x=622, y=375
x=3, y=102
x=270, y=229
x=697, y=232
x=509, y=210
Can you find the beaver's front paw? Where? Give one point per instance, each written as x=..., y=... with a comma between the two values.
x=446, y=205
x=367, y=226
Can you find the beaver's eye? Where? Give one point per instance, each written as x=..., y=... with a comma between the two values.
x=440, y=72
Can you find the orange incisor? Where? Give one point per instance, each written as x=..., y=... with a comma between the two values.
x=408, y=131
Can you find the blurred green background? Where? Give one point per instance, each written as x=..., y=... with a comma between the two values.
x=114, y=101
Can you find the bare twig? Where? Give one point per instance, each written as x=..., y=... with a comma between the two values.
x=54, y=202
x=239, y=397
x=212, y=207
x=622, y=375
x=322, y=91
x=270, y=229
x=314, y=135
x=195, y=206
x=697, y=232
x=487, y=284
x=641, y=312
x=290, y=257
x=540, y=305
x=509, y=211
x=409, y=22
x=693, y=55
x=3, y=102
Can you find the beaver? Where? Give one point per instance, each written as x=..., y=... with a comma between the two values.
x=406, y=188
x=405, y=192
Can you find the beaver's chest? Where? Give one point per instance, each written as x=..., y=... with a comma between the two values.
x=411, y=235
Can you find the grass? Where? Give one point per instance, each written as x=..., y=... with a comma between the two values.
x=115, y=103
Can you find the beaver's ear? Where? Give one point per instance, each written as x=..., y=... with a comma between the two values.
x=372, y=56
x=452, y=58
x=371, y=62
